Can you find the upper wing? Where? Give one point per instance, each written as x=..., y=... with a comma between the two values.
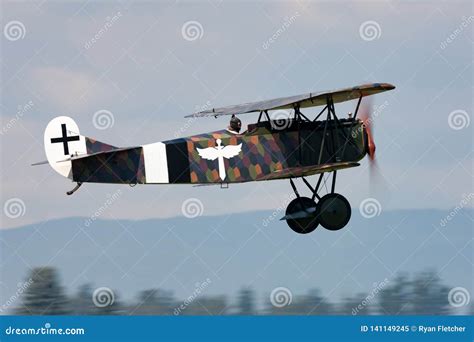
x=303, y=101
x=231, y=151
x=209, y=153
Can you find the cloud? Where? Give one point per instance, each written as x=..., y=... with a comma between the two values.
x=68, y=90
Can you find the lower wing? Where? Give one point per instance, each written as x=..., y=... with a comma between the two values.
x=301, y=171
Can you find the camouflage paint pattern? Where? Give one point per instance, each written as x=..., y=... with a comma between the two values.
x=94, y=146
x=266, y=152
x=263, y=152
x=119, y=166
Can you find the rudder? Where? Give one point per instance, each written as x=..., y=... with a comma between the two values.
x=62, y=141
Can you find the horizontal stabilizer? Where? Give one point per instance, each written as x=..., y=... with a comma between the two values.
x=121, y=165
x=82, y=156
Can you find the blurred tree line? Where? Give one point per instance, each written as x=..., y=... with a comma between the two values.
x=422, y=294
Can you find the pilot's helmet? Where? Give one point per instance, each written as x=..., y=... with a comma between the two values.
x=235, y=123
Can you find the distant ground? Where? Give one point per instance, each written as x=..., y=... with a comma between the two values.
x=253, y=249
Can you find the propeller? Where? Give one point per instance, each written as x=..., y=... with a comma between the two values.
x=367, y=119
x=378, y=183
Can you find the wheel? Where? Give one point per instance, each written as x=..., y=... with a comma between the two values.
x=334, y=211
x=306, y=224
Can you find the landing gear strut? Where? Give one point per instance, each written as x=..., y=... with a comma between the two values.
x=332, y=211
x=78, y=185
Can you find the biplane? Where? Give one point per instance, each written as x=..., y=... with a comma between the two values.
x=291, y=148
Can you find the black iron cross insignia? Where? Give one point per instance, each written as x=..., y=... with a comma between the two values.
x=65, y=139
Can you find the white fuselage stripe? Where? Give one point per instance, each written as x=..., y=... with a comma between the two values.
x=156, y=164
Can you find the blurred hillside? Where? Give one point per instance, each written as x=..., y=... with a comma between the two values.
x=153, y=265
x=422, y=294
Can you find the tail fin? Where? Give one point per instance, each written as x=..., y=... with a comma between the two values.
x=62, y=140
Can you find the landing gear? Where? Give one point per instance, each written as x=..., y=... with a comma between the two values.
x=332, y=211
x=78, y=185
x=301, y=215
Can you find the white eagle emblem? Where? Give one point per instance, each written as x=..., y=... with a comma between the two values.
x=220, y=152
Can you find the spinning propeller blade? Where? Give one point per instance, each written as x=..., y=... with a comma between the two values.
x=367, y=119
x=366, y=115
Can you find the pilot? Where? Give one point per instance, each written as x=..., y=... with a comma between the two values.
x=235, y=125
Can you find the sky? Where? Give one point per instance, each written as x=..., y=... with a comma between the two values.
x=142, y=66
